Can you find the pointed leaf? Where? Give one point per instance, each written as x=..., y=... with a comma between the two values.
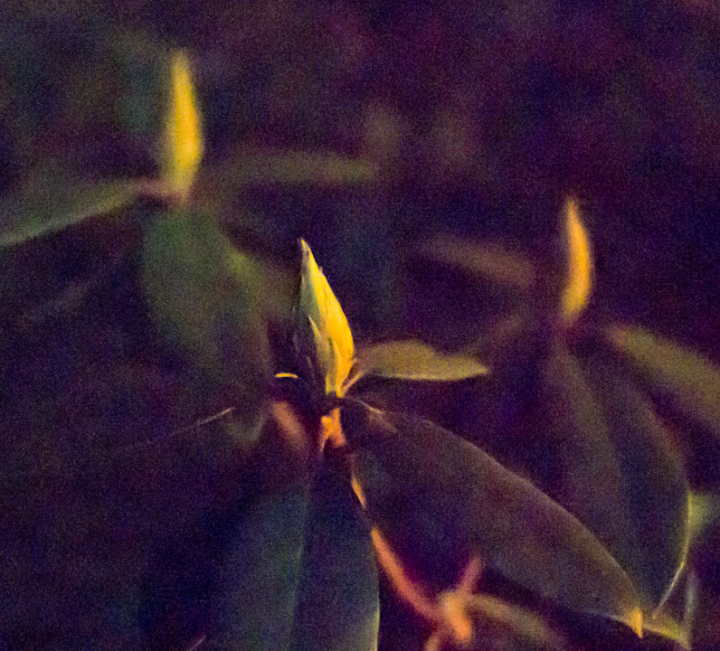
x=54, y=204
x=414, y=360
x=337, y=607
x=684, y=378
x=655, y=488
x=578, y=438
x=676, y=619
x=249, y=169
x=319, y=309
x=422, y=483
x=260, y=575
x=206, y=300
x=484, y=259
x=183, y=144
x=577, y=285
x=524, y=625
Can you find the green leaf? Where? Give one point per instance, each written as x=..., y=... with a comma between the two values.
x=52, y=204
x=484, y=259
x=450, y=499
x=260, y=576
x=704, y=513
x=676, y=619
x=688, y=381
x=656, y=491
x=206, y=300
x=293, y=168
x=591, y=485
x=337, y=607
x=414, y=360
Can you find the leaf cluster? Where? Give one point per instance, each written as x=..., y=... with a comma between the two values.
x=344, y=485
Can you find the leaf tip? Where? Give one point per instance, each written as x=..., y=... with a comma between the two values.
x=183, y=147
x=579, y=273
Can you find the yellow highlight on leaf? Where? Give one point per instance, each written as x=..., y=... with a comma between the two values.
x=335, y=350
x=183, y=146
x=577, y=287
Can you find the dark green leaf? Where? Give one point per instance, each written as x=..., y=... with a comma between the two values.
x=484, y=259
x=206, y=299
x=686, y=379
x=260, y=575
x=591, y=484
x=337, y=608
x=414, y=360
x=262, y=168
x=676, y=619
x=422, y=483
x=52, y=204
x=655, y=489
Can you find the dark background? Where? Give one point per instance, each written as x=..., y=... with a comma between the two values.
x=482, y=117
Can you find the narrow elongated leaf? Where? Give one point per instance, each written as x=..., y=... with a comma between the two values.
x=578, y=436
x=485, y=259
x=655, y=488
x=206, y=300
x=260, y=575
x=337, y=607
x=294, y=168
x=414, y=360
x=55, y=204
x=684, y=378
x=423, y=483
x=577, y=287
x=183, y=145
x=676, y=618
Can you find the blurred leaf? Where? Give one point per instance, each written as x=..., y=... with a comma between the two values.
x=676, y=619
x=524, y=625
x=337, y=607
x=654, y=483
x=577, y=286
x=54, y=203
x=206, y=300
x=260, y=576
x=422, y=483
x=183, y=144
x=485, y=259
x=684, y=378
x=301, y=168
x=704, y=513
x=323, y=328
x=414, y=360
x=579, y=438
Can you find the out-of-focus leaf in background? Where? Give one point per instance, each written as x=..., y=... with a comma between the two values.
x=206, y=299
x=183, y=144
x=682, y=378
x=53, y=202
x=486, y=260
x=423, y=483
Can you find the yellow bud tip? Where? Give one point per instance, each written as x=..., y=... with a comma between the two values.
x=577, y=287
x=183, y=133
